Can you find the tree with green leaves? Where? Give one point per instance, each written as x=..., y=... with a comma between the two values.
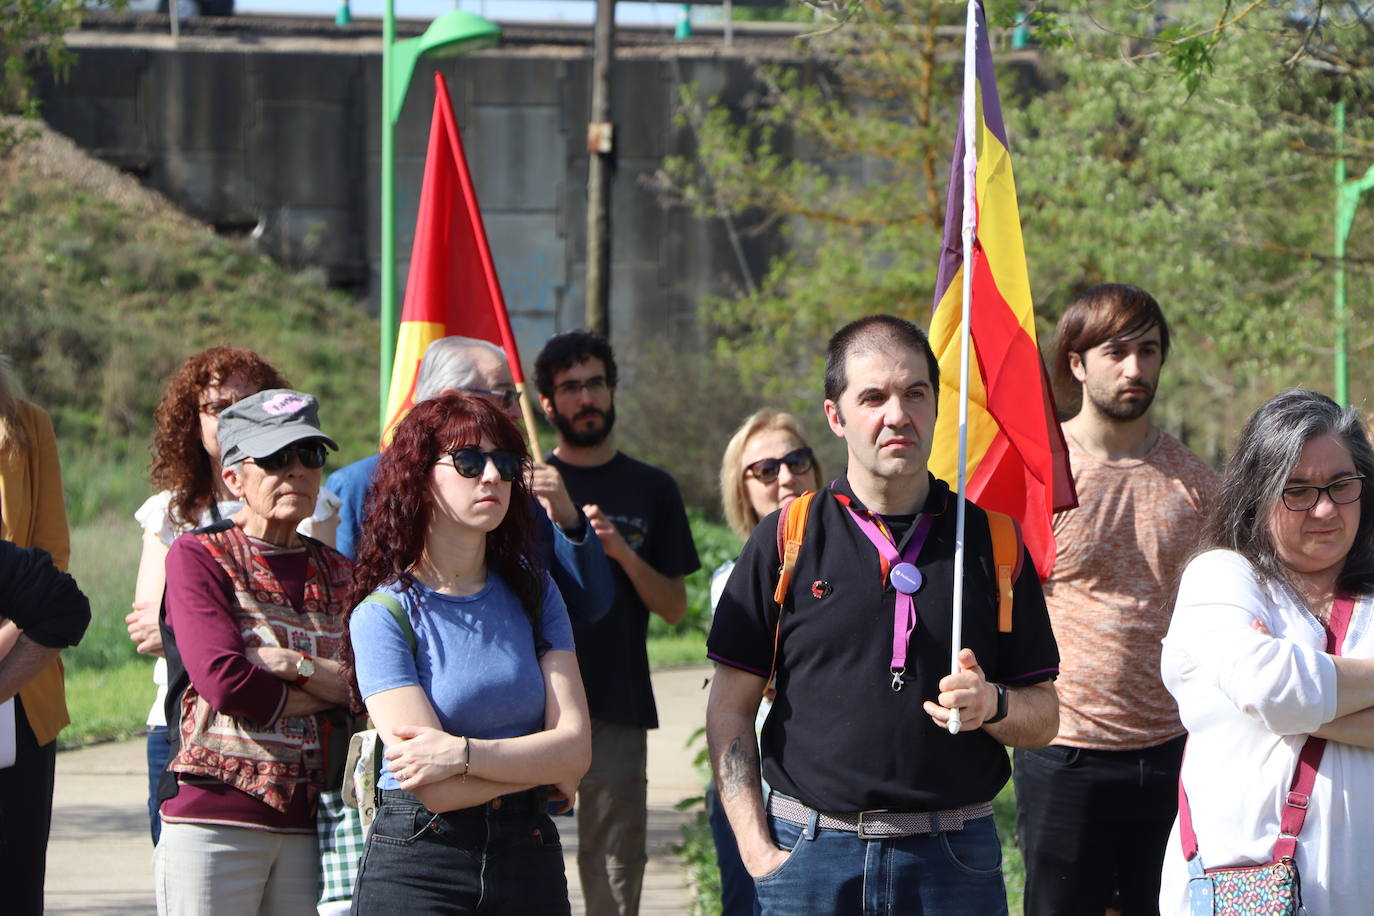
x=1214, y=193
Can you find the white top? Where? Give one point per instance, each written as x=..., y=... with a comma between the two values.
x=1249, y=702
x=155, y=515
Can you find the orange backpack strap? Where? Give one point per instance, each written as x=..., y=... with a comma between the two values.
x=791, y=533
x=1006, y=559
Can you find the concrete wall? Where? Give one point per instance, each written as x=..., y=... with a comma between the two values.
x=286, y=144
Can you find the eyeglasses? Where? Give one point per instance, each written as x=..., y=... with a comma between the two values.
x=572, y=387
x=1345, y=490
x=765, y=470
x=504, y=396
x=311, y=454
x=215, y=408
x=471, y=462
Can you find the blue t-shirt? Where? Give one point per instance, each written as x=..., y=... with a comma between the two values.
x=475, y=656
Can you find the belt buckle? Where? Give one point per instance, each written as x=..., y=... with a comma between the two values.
x=862, y=829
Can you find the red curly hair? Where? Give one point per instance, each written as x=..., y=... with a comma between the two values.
x=399, y=502
x=180, y=463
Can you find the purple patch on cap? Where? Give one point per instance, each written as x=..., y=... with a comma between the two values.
x=283, y=404
x=905, y=578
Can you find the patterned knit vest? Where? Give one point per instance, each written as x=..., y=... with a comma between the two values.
x=267, y=762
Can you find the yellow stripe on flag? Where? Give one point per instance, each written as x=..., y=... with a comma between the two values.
x=412, y=339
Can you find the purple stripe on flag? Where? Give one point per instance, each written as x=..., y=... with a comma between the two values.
x=952, y=245
x=987, y=82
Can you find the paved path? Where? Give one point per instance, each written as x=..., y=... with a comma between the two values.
x=100, y=857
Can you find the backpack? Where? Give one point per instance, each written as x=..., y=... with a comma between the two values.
x=1007, y=553
x=363, y=767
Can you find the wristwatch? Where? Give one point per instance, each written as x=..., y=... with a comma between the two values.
x=305, y=670
x=1001, y=706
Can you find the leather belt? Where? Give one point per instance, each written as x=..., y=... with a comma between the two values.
x=879, y=823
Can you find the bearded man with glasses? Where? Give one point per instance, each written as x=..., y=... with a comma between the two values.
x=638, y=514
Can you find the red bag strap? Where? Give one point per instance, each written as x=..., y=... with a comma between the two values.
x=1304, y=774
x=791, y=533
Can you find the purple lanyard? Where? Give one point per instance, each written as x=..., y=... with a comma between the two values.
x=900, y=570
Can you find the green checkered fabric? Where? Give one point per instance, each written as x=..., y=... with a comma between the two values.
x=341, y=846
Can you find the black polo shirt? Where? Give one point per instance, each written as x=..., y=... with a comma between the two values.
x=838, y=737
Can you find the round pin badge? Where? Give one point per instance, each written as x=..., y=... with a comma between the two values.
x=905, y=578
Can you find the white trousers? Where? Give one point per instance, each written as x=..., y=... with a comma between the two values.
x=206, y=870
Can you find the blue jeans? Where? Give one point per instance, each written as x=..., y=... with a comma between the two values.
x=942, y=874
x=159, y=749
x=501, y=857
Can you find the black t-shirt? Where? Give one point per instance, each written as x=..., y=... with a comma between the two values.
x=646, y=507
x=838, y=737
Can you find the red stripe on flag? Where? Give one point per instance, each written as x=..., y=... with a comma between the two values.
x=1010, y=477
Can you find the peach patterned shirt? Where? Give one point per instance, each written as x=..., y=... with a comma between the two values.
x=1119, y=554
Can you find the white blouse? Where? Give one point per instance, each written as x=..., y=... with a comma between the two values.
x=1249, y=702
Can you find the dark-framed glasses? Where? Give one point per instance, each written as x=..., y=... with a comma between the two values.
x=471, y=462
x=311, y=455
x=765, y=470
x=505, y=397
x=1345, y=490
x=572, y=387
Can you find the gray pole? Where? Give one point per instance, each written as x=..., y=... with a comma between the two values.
x=600, y=143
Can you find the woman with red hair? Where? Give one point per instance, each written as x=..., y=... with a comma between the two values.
x=464, y=656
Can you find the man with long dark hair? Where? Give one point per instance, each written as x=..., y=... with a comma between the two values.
x=1095, y=807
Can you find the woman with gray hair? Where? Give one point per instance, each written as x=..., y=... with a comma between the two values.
x=1270, y=655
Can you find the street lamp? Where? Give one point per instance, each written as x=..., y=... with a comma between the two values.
x=455, y=32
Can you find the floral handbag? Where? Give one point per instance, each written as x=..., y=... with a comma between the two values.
x=1272, y=889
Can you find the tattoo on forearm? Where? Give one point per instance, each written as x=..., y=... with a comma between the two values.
x=739, y=769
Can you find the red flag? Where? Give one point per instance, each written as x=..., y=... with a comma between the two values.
x=452, y=287
x=1017, y=461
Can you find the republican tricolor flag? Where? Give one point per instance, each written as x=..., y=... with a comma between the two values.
x=452, y=287
x=1016, y=461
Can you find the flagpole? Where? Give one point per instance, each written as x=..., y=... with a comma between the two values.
x=969, y=232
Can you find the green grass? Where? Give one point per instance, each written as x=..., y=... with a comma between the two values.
x=108, y=703
x=677, y=649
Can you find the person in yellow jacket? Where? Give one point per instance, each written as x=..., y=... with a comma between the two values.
x=32, y=514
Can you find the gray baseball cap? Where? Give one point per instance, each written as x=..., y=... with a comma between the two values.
x=265, y=422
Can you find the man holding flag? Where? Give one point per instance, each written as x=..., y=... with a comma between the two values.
x=870, y=790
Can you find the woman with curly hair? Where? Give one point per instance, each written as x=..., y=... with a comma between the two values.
x=186, y=469
x=464, y=657
x=32, y=514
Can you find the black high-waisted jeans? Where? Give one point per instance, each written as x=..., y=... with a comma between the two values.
x=501, y=857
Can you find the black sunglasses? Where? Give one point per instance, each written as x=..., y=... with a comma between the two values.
x=311, y=454
x=765, y=470
x=471, y=462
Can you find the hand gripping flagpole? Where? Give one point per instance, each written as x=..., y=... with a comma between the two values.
x=969, y=233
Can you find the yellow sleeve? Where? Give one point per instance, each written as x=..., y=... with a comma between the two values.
x=50, y=530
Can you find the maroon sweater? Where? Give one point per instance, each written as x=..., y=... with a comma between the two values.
x=200, y=609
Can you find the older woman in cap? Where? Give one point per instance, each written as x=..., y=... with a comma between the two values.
x=254, y=620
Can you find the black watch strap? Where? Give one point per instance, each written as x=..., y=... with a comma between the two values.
x=1001, y=705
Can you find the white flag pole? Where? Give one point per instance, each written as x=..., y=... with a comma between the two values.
x=970, y=226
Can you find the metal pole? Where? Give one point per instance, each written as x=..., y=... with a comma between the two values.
x=1345, y=216
x=600, y=144
x=387, y=292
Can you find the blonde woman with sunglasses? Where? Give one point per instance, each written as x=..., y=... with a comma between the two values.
x=766, y=465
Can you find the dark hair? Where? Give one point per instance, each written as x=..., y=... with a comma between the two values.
x=1252, y=484
x=563, y=351
x=180, y=463
x=871, y=333
x=1107, y=311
